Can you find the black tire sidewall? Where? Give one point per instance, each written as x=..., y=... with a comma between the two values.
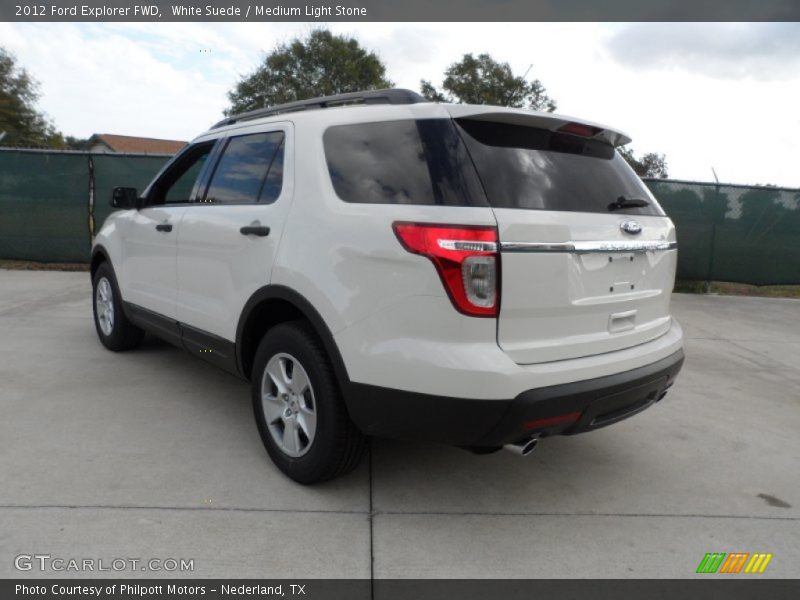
x=115, y=340
x=295, y=340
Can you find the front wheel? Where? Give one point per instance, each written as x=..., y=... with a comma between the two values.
x=299, y=408
x=114, y=329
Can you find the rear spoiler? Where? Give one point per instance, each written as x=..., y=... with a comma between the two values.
x=542, y=120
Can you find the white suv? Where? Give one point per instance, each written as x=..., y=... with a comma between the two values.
x=381, y=265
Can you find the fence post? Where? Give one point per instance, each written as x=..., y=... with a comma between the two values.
x=91, y=200
x=710, y=273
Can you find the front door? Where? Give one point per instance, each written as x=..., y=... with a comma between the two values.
x=148, y=273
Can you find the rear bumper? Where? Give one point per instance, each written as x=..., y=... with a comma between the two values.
x=567, y=408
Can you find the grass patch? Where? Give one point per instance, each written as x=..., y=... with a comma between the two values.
x=29, y=265
x=726, y=288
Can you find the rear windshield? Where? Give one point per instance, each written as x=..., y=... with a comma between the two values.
x=528, y=168
x=402, y=162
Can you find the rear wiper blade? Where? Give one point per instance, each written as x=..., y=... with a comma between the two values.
x=623, y=202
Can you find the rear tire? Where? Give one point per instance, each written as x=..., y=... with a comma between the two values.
x=299, y=408
x=114, y=329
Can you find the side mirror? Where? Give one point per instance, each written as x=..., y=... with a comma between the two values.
x=125, y=197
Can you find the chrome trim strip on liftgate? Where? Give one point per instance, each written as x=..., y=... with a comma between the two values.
x=589, y=247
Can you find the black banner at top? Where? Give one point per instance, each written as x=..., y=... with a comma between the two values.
x=399, y=10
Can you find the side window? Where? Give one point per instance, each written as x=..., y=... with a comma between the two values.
x=250, y=170
x=176, y=185
x=402, y=162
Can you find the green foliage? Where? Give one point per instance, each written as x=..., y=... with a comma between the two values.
x=22, y=123
x=483, y=80
x=648, y=165
x=427, y=89
x=74, y=143
x=320, y=65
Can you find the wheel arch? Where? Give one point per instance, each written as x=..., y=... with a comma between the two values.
x=99, y=256
x=274, y=304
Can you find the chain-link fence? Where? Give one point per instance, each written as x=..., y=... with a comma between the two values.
x=50, y=202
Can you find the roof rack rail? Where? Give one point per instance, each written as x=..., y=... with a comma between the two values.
x=387, y=96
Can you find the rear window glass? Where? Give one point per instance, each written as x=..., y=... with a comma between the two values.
x=402, y=162
x=529, y=168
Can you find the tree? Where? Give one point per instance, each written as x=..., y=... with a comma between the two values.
x=648, y=165
x=21, y=122
x=76, y=143
x=320, y=65
x=483, y=80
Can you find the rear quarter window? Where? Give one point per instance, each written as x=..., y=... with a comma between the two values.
x=402, y=162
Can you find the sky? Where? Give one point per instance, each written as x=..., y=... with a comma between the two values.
x=723, y=96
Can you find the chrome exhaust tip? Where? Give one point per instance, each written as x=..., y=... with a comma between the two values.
x=522, y=448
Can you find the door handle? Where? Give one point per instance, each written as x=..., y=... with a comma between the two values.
x=259, y=230
x=164, y=227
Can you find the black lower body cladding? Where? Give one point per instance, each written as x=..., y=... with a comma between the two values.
x=560, y=409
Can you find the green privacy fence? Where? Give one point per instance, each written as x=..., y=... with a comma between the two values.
x=49, y=199
x=734, y=233
x=725, y=232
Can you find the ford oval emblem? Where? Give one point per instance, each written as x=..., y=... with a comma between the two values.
x=631, y=227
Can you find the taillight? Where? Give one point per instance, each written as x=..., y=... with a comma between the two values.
x=465, y=258
x=580, y=129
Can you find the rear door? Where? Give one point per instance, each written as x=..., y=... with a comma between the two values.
x=588, y=256
x=229, y=237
